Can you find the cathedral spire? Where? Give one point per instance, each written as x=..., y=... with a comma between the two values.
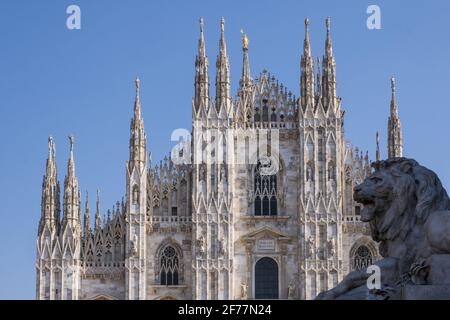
x=51, y=152
x=307, y=71
x=319, y=79
x=138, y=139
x=50, y=190
x=97, y=224
x=222, y=71
x=306, y=42
x=378, y=155
x=201, y=41
x=328, y=44
x=394, y=106
x=245, y=82
x=329, y=71
x=71, y=165
x=395, y=136
x=223, y=44
x=201, y=72
x=136, y=182
x=137, y=102
x=87, y=216
x=71, y=194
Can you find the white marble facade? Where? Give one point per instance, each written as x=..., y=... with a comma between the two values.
x=220, y=229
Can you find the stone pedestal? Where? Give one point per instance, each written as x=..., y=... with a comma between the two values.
x=426, y=292
x=439, y=272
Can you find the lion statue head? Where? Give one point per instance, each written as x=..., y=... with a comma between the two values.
x=408, y=212
x=397, y=196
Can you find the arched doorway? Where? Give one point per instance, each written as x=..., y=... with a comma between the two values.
x=266, y=279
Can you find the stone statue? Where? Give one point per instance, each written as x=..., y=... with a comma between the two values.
x=223, y=175
x=221, y=248
x=310, y=247
x=250, y=196
x=202, y=245
x=71, y=140
x=331, y=244
x=309, y=173
x=244, y=289
x=291, y=290
x=202, y=173
x=282, y=192
x=331, y=174
x=135, y=195
x=408, y=212
x=133, y=245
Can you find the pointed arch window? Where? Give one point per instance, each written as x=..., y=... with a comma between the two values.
x=257, y=115
x=99, y=250
x=213, y=175
x=265, y=186
x=169, y=267
x=57, y=284
x=182, y=211
x=273, y=116
x=89, y=255
x=320, y=144
x=265, y=111
x=108, y=251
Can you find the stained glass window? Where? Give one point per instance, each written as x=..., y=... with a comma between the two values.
x=169, y=267
x=265, y=192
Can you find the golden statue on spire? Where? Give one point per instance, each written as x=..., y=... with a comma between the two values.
x=244, y=40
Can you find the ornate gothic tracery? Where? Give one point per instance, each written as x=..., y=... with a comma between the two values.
x=362, y=258
x=169, y=267
x=265, y=190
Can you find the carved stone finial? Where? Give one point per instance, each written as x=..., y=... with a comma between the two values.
x=138, y=86
x=201, y=24
x=244, y=40
x=97, y=202
x=378, y=147
x=51, y=148
x=72, y=142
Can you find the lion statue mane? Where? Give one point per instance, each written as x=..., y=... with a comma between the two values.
x=408, y=212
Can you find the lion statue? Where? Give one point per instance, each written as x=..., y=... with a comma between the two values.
x=408, y=211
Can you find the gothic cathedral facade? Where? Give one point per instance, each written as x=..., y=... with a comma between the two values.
x=203, y=225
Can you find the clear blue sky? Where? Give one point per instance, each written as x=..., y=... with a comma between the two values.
x=56, y=81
